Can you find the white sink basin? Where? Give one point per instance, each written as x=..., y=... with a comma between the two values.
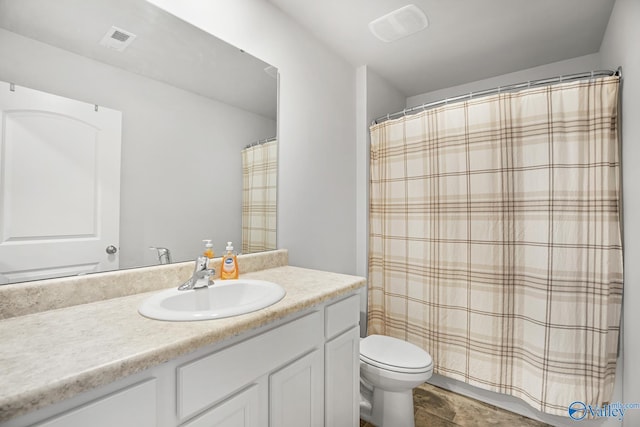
x=225, y=298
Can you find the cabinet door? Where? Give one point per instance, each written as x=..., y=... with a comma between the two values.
x=132, y=407
x=296, y=393
x=205, y=381
x=241, y=410
x=342, y=379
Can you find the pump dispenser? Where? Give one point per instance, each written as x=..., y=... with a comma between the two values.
x=229, y=266
x=208, y=249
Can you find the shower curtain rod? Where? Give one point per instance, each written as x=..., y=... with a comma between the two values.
x=260, y=141
x=508, y=88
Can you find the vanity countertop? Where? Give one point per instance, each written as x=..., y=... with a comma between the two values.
x=50, y=356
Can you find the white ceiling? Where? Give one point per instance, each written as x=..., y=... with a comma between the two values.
x=166, y=48
x=467, y=40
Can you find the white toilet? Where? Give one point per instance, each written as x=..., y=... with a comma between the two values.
x=390, y=369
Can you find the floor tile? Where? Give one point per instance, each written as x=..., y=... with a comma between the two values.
x=436, y=407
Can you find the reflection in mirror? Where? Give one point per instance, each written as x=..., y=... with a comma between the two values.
x=189, y=105
x=259, y=176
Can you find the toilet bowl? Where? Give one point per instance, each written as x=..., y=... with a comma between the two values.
x=390, y=369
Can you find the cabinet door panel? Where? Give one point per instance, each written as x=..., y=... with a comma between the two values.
x=132, y=407
x=296, y=393
x=342, y=380
x=241, y=410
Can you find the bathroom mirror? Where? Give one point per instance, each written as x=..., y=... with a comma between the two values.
x=190, y=103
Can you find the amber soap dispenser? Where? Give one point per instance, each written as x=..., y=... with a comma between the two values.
x=229, y=268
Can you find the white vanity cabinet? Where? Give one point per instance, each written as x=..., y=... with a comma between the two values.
x=300, y=371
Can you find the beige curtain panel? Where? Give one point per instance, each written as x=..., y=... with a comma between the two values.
x=259, y=185
x=495, y=240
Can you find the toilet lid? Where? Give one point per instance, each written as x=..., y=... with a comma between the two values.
x=394, y=354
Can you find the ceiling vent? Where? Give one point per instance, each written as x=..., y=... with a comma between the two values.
x=117, y=38
x=399, y=23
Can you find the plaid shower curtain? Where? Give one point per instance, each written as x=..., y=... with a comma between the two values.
x=259, y=186
x=495, y=240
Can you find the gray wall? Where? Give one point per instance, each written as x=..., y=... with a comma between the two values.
x=620, y=48
x=573, y=65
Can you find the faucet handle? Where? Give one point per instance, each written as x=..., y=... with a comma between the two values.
x=202, y=263
x=201, y=276
x=210, y=275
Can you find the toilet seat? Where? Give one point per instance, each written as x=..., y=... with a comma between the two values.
x=394, y=355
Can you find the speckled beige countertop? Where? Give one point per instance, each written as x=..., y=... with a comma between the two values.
x=49, y=356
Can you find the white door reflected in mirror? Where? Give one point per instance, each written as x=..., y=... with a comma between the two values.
x=60, y=186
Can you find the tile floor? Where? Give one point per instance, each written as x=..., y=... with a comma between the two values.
x=436, y=407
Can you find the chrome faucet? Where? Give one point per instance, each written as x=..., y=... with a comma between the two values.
x=164, y=255
x=201, y=275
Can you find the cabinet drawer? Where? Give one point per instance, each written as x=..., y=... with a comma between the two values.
x=205, y=381
x=134, y=406
x=342, y=315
